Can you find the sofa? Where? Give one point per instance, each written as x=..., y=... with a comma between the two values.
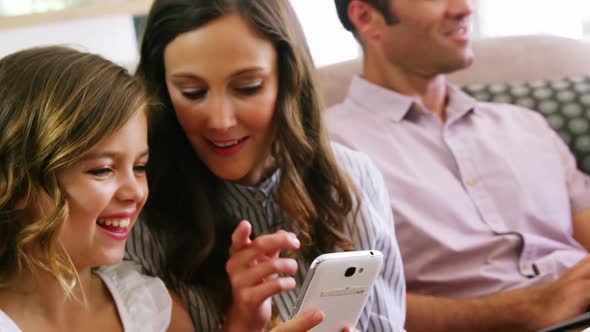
x=548, y=74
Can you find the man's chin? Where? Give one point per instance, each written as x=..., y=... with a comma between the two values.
x=467, y=61
x=458, y=63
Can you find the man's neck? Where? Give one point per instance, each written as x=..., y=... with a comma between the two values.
x=428, y=91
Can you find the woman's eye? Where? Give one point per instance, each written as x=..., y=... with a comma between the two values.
x=101, y=172
x=194, y=94
x=139, y=168
x=249, y=90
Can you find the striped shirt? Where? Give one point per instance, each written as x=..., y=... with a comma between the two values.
x=385, y=309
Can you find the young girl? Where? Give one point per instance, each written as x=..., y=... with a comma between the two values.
x=73, y=152
x=239, y=136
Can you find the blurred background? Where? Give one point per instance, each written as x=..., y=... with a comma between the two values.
x=112, y=27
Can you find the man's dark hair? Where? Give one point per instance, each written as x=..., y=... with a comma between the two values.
x=381, y=5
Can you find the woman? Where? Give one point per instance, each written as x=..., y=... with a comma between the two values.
x=72, y=174
x=239, y=136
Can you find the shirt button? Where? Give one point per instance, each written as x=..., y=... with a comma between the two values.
x=259, y=196
x=472, y=182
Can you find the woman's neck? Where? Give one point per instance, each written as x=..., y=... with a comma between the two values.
x=260, y=173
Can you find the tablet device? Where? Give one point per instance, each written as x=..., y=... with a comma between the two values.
x=339, y=284
x=578, y=321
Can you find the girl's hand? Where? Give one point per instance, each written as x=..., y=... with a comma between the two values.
x=253, y=269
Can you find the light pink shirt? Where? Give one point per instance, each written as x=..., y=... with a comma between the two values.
x=482, y=202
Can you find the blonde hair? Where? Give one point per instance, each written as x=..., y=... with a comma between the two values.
x=55, y=104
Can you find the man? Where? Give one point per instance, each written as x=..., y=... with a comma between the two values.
x=492, y=216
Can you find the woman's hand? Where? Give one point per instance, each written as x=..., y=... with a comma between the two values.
x=253, y=268
x=301, y=323
x=305, y=322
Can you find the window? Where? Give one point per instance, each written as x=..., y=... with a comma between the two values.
x=104, y=27
x=567, y=18
x=328, y=41
x=23, y=7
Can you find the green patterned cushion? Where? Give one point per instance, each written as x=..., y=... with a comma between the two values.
x=564, y=103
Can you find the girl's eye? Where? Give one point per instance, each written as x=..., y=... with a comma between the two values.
x=249, y=90
x=194, y=94
x=101, y=172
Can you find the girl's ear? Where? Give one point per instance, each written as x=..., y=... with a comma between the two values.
x=21, y=204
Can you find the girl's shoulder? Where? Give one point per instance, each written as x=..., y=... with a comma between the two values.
x=143, y=302
x=6, y=324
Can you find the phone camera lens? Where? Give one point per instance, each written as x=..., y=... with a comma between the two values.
x=350, y=271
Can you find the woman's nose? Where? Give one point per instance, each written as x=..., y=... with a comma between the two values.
x=222, y=115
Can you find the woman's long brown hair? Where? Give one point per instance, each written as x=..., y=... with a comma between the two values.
x=185, y=207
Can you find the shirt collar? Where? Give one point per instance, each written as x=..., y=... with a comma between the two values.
x=396, y=106
x=378, y=99
x=459, y=103
x=264, y=188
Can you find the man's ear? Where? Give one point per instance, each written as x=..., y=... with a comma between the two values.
x=366, y=20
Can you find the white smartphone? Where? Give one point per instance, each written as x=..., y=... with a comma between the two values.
x=339, y=284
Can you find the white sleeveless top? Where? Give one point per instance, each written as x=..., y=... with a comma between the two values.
x=143, y=302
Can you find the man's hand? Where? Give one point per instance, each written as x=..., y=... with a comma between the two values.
x=564, y=298
x=526, y=309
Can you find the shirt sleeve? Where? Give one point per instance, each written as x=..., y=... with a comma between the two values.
x=146, y=303
x=374, y=229
x=578, y=183
x=6, y=324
